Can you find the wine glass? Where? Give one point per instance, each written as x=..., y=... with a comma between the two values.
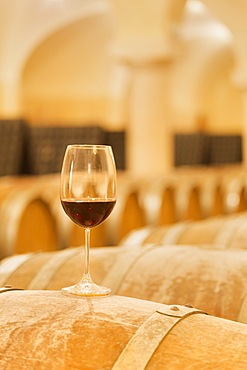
x=88, y=196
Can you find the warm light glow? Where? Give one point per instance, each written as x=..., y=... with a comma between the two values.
x=200, y=21
x=195, y=6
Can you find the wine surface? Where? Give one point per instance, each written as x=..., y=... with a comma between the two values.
x=88, y=213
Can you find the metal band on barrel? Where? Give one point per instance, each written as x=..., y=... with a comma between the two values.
x=150, y=334
x=9, y=265
x=45, y=274
x=123, y=266
x=8, y=288
x=173, y=234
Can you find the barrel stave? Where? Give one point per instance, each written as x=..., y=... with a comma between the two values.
x=189, y=337
x=50, y=330
x=210, y=279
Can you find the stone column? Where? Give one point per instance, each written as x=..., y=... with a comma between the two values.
x=144, y=42
x=150, y=140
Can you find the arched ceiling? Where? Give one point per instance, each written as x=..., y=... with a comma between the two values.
x=233, y=13
x=206, y=58
x=139, y=25
x=24, y=24
x=73, y=60
x=143, y=30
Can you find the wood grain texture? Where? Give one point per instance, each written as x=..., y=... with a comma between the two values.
x=48, y=330
x=223, y=232
x=209, y=279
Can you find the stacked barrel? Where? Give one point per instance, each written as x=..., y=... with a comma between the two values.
x=32, y=217
x=174, y=248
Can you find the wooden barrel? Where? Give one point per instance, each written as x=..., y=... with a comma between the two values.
x=234, y=190
x=27, y=223
x=48, y=330
x=204, y=193
x=229, y=231
x=48, y=186
x=157, y=198
x=212, y=280
x=188, y=202
x=127, y=215
x=211, y=196
x=167, y=200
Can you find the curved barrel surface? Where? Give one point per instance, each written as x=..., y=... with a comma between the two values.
x=209, y=279
x=48, y=330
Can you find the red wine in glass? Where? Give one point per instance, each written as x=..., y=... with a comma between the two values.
x=88, y=213
x=88, y=196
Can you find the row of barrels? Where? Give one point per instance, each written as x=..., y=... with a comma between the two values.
x=32, y=217
x=210, y=279
x=194, y=195
x=157, y=274
x=172, y=307
x=221, y=232
x=148, y=323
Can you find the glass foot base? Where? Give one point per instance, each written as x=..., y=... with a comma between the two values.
x=87, y=289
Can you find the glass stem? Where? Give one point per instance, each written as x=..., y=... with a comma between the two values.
x=87, y=247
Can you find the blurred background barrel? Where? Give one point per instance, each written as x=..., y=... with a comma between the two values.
x=33, y=218
x=157, y=198
x=229, y=231
x=210, y=279
x=26, y=223
x=160, y=209
x=126, y=215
